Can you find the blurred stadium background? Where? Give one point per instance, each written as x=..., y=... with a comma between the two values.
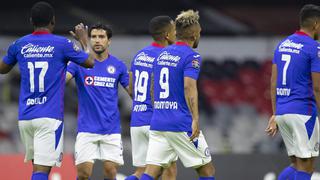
x=237, y=45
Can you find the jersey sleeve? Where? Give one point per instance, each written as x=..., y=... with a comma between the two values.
x=124, y=76
x=10, y=58
x=192, y=66
x=315, y=59
x=72, y=68
x=274, y=60
x=73, y=53
x=132, y=63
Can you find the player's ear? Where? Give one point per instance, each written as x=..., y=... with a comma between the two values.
x=194, y=36
x=109, y=42
x=167, y=36
x=31, y=22
x=316, y=25
x=53, y=21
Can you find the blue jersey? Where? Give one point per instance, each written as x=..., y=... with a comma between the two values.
x=98, y=95
x=296, y=58
x=142, y=68
x=171, y=112
x=42, y=59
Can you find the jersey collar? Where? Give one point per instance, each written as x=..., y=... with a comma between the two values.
x=301, y=33
x=40, y=32
x=156, y=45
x=180, y=43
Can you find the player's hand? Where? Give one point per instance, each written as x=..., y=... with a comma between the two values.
x=272, y=127
x=80, y=33
x=195, y=130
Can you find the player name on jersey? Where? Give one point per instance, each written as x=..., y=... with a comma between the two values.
x=100, y=81
x=165, y=105
x=283, y=91
x=34, y=101
x=140, y=108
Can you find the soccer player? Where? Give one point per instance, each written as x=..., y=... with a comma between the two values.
x=174, y=128
x=99, y=130
x=42, y=59
x=295, y=94
x=162, y=30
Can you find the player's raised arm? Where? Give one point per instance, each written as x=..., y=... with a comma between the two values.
x=7, y=63
x=191, y=96
x=81, y=34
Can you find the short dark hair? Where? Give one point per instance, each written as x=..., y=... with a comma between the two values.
x=101, y=26
x=158, y=25
x=42, y=14
x=308, y=15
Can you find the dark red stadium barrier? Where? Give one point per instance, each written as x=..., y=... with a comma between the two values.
x=12, y=167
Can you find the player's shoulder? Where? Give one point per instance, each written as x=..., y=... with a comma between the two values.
x=22, y=39
x=151, y=50
x=61, y=39
x=189, y=52
x=293, y=41
x=116, y=60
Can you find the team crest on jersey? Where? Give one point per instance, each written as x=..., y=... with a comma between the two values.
x=60, y=157
x=76, y=47
x=88, y=80
x=111, y=69
x=195, y=63
x=207, y=152
x=316, y=147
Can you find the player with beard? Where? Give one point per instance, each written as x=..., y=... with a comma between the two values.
x=99, y=128
x=174, y=127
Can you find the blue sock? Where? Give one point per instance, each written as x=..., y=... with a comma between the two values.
x=146, y=177
x=206, y=178
x=287, y=173
x=39, y=176
x=132, y=177
x=300, y=175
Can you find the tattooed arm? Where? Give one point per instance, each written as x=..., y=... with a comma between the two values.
x=151, y=89
x=191, y=96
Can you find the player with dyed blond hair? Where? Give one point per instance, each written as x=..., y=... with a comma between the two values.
x=174, y=127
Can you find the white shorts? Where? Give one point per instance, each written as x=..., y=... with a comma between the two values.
x=139, y=141
x=43, y=140
x=104, y=147
x=300, y=134
x=165, y=147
